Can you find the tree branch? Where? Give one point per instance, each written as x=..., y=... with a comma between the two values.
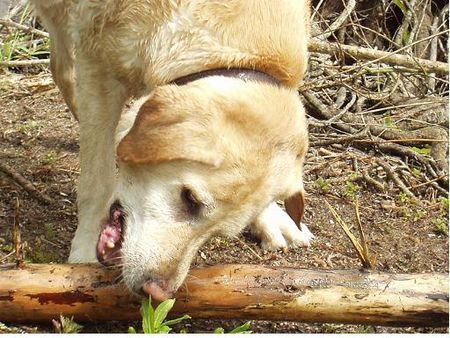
x=373, y=55
x=39, y=293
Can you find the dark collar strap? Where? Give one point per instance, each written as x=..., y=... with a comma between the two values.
x=239, y=73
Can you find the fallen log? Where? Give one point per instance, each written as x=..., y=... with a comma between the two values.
x=41, y=292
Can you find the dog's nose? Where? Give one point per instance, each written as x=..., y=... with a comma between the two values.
x=156, y=291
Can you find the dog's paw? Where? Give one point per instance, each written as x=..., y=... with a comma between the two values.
x=277, y=230
x=83, y=250
x=82, y=256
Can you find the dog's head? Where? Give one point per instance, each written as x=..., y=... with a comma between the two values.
x=200, y=159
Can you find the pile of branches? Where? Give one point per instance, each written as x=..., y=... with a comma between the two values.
x=377, y=91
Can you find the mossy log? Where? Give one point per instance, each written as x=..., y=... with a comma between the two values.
x=41, y=292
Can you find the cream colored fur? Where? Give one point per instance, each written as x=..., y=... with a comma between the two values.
x=238, y=145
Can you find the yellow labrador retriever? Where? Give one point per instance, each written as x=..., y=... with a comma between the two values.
x=217, y=133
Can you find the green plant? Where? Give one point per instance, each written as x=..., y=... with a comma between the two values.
x=22, y=45
x=244, y=328
x=30, y=127
x=153, y=320
x=419, y=214
x=322, y=184
x=51, y=157
x=66, y=325
x=444, y=202
x=422, y=151
x=351, y=188
x=440, y=226
x=403, y=197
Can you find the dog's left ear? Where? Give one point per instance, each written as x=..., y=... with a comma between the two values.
x=295, y=206
x=164, y=132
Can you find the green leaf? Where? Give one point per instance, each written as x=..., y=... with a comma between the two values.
x=131, y=330
x=67, y=325
x=176, y=320
x=416, y=171
x=219, y=330
x=161, y=312
x=244, y=328
x=164, y=329
x=422, y=151
x=148, y=316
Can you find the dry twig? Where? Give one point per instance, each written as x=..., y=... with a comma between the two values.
x=374, y=56
x=25, y=184
x=10, y=23
x=17, y=236
x=361, y=250
x=24, y=63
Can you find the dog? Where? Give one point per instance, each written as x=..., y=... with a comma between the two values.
x=216, y=135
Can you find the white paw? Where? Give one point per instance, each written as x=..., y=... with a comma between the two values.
x=277, y=230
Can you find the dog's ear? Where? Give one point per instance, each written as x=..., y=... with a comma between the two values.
x=295, y=206
x=161, y=132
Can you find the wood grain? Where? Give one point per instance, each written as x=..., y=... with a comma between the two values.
x=41, y=292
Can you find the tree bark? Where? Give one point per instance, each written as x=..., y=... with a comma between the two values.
x=41, y=292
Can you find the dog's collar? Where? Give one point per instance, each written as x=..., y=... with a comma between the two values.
x=239, y=73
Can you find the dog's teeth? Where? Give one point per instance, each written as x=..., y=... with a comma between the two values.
x=110, y=244
x=103, y=253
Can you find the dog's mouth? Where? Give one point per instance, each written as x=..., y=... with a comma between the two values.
x=111, y=236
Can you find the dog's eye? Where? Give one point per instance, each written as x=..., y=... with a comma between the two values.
x=190, y=201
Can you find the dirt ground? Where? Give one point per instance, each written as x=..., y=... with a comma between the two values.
x=39, y=140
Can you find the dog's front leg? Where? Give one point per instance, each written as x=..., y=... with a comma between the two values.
x=277, y=230
x=100, y=100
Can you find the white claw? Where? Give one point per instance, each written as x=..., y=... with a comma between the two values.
x=110, y=244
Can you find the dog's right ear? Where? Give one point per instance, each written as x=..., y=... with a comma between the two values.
x=295, y=206
x=167, y=131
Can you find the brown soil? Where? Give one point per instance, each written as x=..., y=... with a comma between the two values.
x=39, y=140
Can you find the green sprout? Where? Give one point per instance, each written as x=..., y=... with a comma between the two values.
x=153, y=320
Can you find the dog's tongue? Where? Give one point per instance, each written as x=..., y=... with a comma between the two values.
x=110, y=240
x=156, y=292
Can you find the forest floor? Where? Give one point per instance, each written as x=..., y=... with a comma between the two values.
x=39, y=140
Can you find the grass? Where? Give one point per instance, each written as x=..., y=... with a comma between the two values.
x=21, y=45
